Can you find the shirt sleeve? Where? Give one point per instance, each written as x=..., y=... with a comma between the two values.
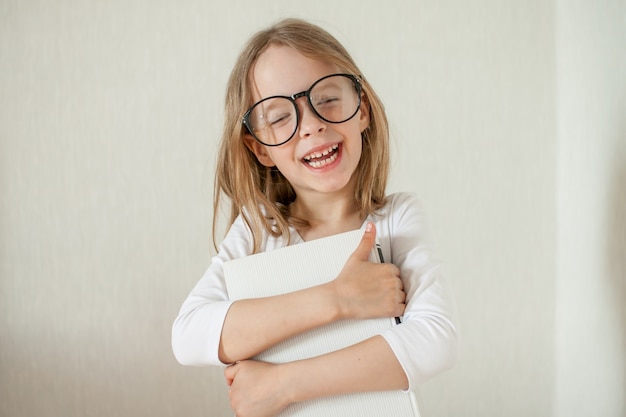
x=425, y=343
x=197, y=330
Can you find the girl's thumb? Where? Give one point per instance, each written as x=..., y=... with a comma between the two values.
x=364, y=249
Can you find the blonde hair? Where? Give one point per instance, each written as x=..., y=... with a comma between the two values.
x=260, y=194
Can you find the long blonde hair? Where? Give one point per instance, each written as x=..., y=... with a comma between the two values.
x=260, y=194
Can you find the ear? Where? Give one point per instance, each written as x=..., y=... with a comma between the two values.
x=258, y=150
x=364, y=118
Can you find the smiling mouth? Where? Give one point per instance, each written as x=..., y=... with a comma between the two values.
x=322, y=158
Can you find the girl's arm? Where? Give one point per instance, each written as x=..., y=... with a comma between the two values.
x=362, y=290
x=211, y=330
x=261, y=389
x=404, y=356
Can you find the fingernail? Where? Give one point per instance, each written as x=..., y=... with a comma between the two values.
x=368, y=227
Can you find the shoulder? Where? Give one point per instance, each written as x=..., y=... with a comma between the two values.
x=403, y=227
x=401, y=200
x=402, y=222
x=401, y=207
x=238, y=241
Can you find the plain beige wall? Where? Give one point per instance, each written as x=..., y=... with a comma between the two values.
x=591, y=203
x=110, y=115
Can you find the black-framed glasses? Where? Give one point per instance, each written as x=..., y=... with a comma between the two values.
x=334, y=98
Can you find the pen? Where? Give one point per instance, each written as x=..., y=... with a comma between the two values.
x=382, y=261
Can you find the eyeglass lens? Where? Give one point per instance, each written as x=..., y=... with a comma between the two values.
x=274, y=120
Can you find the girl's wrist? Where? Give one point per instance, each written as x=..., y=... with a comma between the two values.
x=335, y=305
x=290, y=384
x=305, y=380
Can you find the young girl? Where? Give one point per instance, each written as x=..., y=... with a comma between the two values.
x=304, y=155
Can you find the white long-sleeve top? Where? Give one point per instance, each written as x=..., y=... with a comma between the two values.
x=425, y=343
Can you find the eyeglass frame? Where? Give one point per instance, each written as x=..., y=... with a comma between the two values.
x=356, y=79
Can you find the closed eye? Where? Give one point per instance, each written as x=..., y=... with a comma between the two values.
x=282, y=118
x=326, y=101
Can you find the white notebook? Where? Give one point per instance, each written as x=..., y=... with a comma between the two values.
x=301, y=266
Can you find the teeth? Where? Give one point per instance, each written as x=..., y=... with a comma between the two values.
x=318, y=154
x=323, y=162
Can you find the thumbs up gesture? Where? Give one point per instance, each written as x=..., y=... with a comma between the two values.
x=368, y=290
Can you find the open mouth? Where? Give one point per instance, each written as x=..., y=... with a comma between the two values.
x=322, y=158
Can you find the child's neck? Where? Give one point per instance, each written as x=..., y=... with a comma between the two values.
x=327, y=217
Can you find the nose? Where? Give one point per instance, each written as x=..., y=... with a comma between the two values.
x=310, y=123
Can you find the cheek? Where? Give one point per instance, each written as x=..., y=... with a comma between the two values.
x=281, y=156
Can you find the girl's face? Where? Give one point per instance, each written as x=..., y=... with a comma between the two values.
x=321, y=157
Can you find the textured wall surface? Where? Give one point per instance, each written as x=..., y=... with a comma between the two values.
x=507, y=120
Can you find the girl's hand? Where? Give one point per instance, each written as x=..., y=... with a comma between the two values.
x=368, y=290
x=256, y=389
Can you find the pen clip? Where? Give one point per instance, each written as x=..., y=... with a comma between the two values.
x=379, y=252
